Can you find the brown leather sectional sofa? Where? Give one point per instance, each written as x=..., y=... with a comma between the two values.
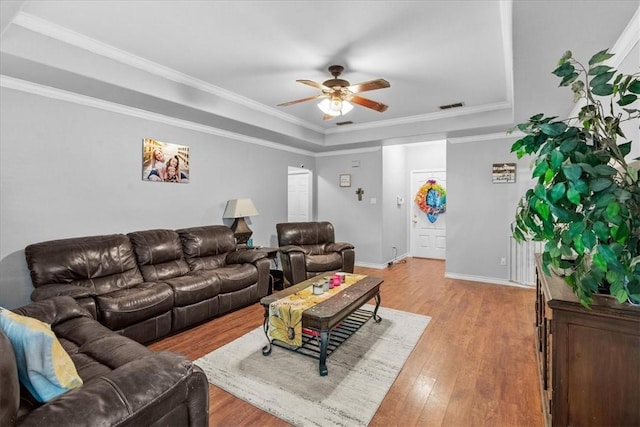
x=124, y=383
x=148, y=284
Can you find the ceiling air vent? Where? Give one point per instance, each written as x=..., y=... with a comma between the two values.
x=456, y=105
x=348, y=122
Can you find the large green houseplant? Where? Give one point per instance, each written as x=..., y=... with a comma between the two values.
x=586, y=202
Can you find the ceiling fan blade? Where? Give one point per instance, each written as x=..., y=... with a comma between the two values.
x=370, y=85
x=327, y=117
x=374, y=105
x=309, y=98
x=315, y=84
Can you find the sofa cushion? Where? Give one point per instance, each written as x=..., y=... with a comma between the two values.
x=159, y=254
x=100, y=263
x=206, y=248
x=326, y=262
x=44, y=367
x=193, y=288
x=94, y=349
x=305, y=233
x=127, y=306
x=236, y=277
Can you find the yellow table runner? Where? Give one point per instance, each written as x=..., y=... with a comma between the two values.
x=285, y=314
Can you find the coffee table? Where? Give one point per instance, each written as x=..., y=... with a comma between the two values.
x=331, y=322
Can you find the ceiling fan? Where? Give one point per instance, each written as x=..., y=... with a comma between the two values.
x=338, y=94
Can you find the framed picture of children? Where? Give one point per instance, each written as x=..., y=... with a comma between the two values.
x=164, y=162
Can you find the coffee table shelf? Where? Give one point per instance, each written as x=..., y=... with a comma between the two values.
x=311, y=342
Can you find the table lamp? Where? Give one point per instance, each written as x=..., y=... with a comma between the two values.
x=239, y=209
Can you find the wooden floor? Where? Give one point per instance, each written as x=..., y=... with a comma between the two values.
x=474, y=365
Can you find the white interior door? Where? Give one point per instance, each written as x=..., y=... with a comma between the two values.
x=428, y=239
x=299, y=198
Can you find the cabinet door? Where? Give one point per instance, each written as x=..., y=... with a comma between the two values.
x=596, y=370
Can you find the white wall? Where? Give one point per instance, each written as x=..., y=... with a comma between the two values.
x=69, y=170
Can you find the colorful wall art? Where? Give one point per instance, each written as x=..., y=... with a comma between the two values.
x=431, y=198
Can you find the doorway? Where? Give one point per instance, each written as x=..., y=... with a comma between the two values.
x=299, y=195
x=428, y=239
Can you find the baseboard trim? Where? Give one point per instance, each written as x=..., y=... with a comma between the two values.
x=382, y=266
x=488, y=280
x=371, y=265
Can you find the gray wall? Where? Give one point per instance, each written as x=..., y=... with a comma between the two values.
x=357, y=222
x=479, y=213
x=394, y=215
x=70, y=170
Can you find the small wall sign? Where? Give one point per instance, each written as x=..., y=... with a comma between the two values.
x=345, y=180
x=504, y=173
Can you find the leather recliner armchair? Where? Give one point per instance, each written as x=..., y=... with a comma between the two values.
x=308, y=249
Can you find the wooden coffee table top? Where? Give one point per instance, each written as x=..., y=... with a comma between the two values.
x=330, y=312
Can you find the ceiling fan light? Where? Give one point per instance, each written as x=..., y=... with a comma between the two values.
x=325, y=107
x=335, y=106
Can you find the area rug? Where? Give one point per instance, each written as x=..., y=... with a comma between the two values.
x=288, y=385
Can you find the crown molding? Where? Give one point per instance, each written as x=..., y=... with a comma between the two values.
x=622, y=48
x=65, y=35
x=486, y=137
x=456, y=112
x=87, y=101
x=351, y=151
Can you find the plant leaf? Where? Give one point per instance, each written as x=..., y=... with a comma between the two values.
x=625, y=148
x=553, y=129
x=556, y=159
x=567, y=80
x=608, y=254
x=557, y=191
x=589, y=239
x=540, y=169
x=627, y=99
x=568, y=145
x=600, y=57
x=599, y=184
x=565, y=69
x=602, y=90
x=542, y=209
x=572, y=171
x=601, y=230
x=634, y=87
x=601, y=79
x=605, y=170
x=599, y=70
x=600, y=262
x=574, y=196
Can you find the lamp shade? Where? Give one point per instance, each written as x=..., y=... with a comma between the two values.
x=238, y=208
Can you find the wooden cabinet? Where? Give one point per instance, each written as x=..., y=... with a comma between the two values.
x=589, y=360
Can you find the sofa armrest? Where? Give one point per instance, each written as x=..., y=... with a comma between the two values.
x=55, y=290
x=338, y=246
x=290, y=248
x=141, y=392
x=53, y=310
x=242, y=256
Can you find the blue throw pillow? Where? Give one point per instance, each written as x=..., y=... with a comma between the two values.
x=44, y=367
